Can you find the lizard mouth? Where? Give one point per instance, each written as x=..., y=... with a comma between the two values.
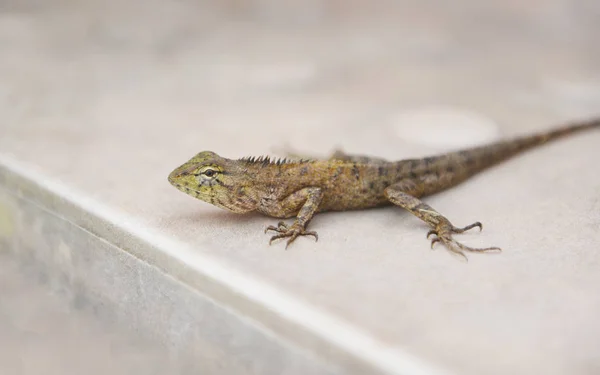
x=175, y=179
x=188, y=190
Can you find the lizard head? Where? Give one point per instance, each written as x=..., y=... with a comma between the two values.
x=214, y=179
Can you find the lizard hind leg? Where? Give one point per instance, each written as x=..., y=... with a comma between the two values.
x=443, y=229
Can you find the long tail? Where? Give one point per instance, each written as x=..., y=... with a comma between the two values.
x=479, y=158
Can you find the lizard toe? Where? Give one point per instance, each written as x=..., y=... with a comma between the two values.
x=444, y=232
x=434, y=241
x=291, y=232
x=277, y=237
x=432, y=232
x=270, y=227
x=280, y=228
x=470, y=226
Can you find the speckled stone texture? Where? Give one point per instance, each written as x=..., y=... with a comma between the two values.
x=99, y=100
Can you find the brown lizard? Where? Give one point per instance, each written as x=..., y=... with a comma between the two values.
x=285, y=188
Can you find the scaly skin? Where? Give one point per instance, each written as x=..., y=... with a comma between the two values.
x=301, y=188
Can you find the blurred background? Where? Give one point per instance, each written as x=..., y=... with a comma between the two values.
x=86, y=86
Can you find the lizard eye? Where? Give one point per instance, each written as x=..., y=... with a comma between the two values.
x=210, y=173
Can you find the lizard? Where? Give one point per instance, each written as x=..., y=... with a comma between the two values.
x=300, y=188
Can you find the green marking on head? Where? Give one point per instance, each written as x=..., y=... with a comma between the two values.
x=213, y=179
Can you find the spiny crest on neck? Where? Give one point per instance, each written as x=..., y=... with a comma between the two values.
x=266, y=160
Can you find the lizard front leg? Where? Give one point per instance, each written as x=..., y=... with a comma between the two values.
x=400, y=195
x=309, y=198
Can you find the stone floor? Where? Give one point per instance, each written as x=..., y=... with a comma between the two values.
x=41, y=334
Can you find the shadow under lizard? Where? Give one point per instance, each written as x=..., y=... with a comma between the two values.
x=300, y=188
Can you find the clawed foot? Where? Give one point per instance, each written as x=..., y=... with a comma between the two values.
x=443, y=233
x=292, y=232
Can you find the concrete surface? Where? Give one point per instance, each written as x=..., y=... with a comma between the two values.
x=42, y=334
x=100, y=100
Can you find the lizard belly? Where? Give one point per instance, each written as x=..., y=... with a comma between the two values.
x=354, y=196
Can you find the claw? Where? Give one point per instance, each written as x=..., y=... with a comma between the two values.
x=292, y=239
x=312, y=233
x=280, y=228
x=458, y=247
x=444, y=231
x=471, y=226
x=275, y=237
x=460, y=254
x=291, y=232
